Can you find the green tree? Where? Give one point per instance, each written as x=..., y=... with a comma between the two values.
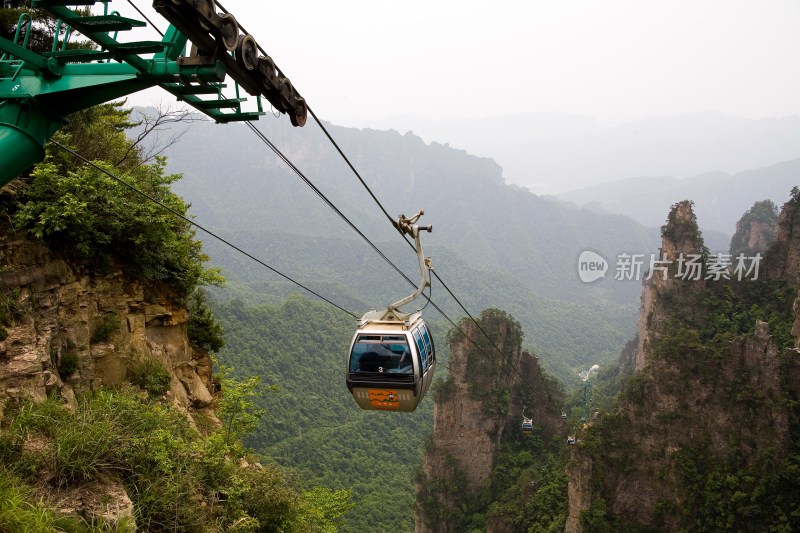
x=93, y=214
x=204, y=330
x=324, y=509
x=237, y=408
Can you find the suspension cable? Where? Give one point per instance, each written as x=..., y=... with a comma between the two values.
x=240, y=250
x=324, y=198
x=330, y=204
x=198, y=226
x=161, y=33
x=349, y=164
x=385, y=212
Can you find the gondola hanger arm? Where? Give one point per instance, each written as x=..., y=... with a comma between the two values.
x=408, y=226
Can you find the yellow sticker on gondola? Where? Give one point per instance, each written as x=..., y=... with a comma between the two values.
x=384, y=399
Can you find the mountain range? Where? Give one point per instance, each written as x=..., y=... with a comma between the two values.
x=492, y=243
x=719, y=198
x=551, y=153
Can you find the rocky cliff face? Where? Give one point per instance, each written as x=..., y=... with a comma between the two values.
x=755, y=231
x=758, y=235
x=700, y=439
x=681, y=248
x=69, y=330
x=65, y=330
x=782, y=260
x=477, y=406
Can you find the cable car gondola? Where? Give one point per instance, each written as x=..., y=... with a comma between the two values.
x=527, y=423
x=392, y=358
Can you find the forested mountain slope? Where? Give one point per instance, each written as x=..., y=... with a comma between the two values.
x=703, y=437
x=491, y=242
x=109, y=419
x=311, y=423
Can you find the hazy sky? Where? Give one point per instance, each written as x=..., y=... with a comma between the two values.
x=614, y=60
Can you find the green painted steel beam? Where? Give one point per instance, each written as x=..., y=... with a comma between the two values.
x=178, y=41
x=224, y=118
x=183, y=89
x=38, y=91
x=104, y=23
x=34, y=101
x=31, y=59
x=79, y=54
x=48, y=3
x=218, y=103
x=99, y=37
x=83, y=85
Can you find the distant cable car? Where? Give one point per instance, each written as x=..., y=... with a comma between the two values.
x=392, y=357
x=527, y=423
x=572, y=440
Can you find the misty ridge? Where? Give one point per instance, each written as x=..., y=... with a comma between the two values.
x=719, y=198
x=637, y=168
x=551, y=153
x=497, y=242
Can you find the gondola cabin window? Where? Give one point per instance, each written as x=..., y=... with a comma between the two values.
x=381, y=353
x=421, y=346
x=428, y=344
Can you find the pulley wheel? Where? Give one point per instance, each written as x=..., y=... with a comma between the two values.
x=267, y=68
x=206, y=8
x=229, y=32
x=247, y=52
x=286, y=90
x=299, y=114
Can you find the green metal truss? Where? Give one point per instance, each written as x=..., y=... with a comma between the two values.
x=39, y=90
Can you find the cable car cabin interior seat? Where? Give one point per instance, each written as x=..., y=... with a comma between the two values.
x=390, y=364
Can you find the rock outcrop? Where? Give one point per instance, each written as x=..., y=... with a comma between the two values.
x=471, y=415
x=68, y=330
x=699, y=436
x=782, y=260
x=755, y=231
x=104, y=499
x=679, y=259
x=65, y=330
